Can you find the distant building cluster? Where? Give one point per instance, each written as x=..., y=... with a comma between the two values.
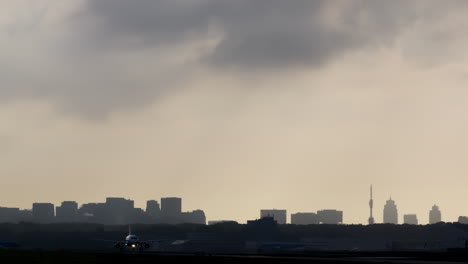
x=390, y=215
x=308, y=218
x=113, y=212
x=116, y=211
x=331, y=217
x=278, y=215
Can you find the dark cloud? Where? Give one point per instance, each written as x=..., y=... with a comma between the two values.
x=113, y=54
x=261, y=33
x=145, y=21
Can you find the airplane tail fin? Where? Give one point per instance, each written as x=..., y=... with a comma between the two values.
x=129, y=229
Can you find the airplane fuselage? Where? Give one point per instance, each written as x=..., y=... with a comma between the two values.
x=132, y=241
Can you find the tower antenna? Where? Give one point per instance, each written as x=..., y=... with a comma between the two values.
x=371, y=206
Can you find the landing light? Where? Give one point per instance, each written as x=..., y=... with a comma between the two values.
x=133, y=246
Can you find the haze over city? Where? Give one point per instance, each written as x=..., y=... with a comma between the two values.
x=236, y=106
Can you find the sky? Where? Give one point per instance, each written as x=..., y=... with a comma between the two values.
x=236, y=106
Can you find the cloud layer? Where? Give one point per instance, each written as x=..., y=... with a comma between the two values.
x=93, y=57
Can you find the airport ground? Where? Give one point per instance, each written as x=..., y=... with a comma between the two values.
x=73, y=257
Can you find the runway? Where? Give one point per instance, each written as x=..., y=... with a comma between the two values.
x=78, y=257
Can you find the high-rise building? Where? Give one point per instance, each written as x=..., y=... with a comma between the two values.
x=153, y=209
x=331, y=217
x=116, y=211
x=390, y=213
x=371, y=206
x=43, y=212
x=304, y=219
x=278, y=215
x=171, y=207
x=434, y=215
x=410, y=219
x=67, y=212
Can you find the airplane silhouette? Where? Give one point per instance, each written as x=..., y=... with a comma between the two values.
x=131, y=242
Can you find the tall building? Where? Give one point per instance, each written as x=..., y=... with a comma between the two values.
x=304, y=219
x=278, y=215
x=118, y=211
x=152, y=208
x=67, y=212
x=434, y=215
x=371, y=206
x=410, y=219
x=390, y=213
x=43, y=212
x=331, y=217
x=171, y=207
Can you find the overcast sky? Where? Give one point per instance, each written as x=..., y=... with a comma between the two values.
x=236, y=105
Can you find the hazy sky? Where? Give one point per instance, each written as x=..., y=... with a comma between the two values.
x=236, y=105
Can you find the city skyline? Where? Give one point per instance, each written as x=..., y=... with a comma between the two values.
x=237, y=105
x=306, y=216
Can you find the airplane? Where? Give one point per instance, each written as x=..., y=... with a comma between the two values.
x=131, y=242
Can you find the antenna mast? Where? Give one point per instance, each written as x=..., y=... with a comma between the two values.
x=371, y=206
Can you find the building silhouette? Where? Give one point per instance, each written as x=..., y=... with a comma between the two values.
x=152, y=209
x=25, y=215
x=330, y=216
x=435, y=215
x=215, y=222
x=91, y=212
x=43, y=212
x=371, y=207
x=463, y=219
x=171, y=207
x=118, y=210
x=263, y=221
x=279, y=215
x=264, y=228
x=9, y=215
x=194, y=217
x=410, y=219
x=67, y=212
x=390, y=213
x=305, y=219
x=115, y=211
